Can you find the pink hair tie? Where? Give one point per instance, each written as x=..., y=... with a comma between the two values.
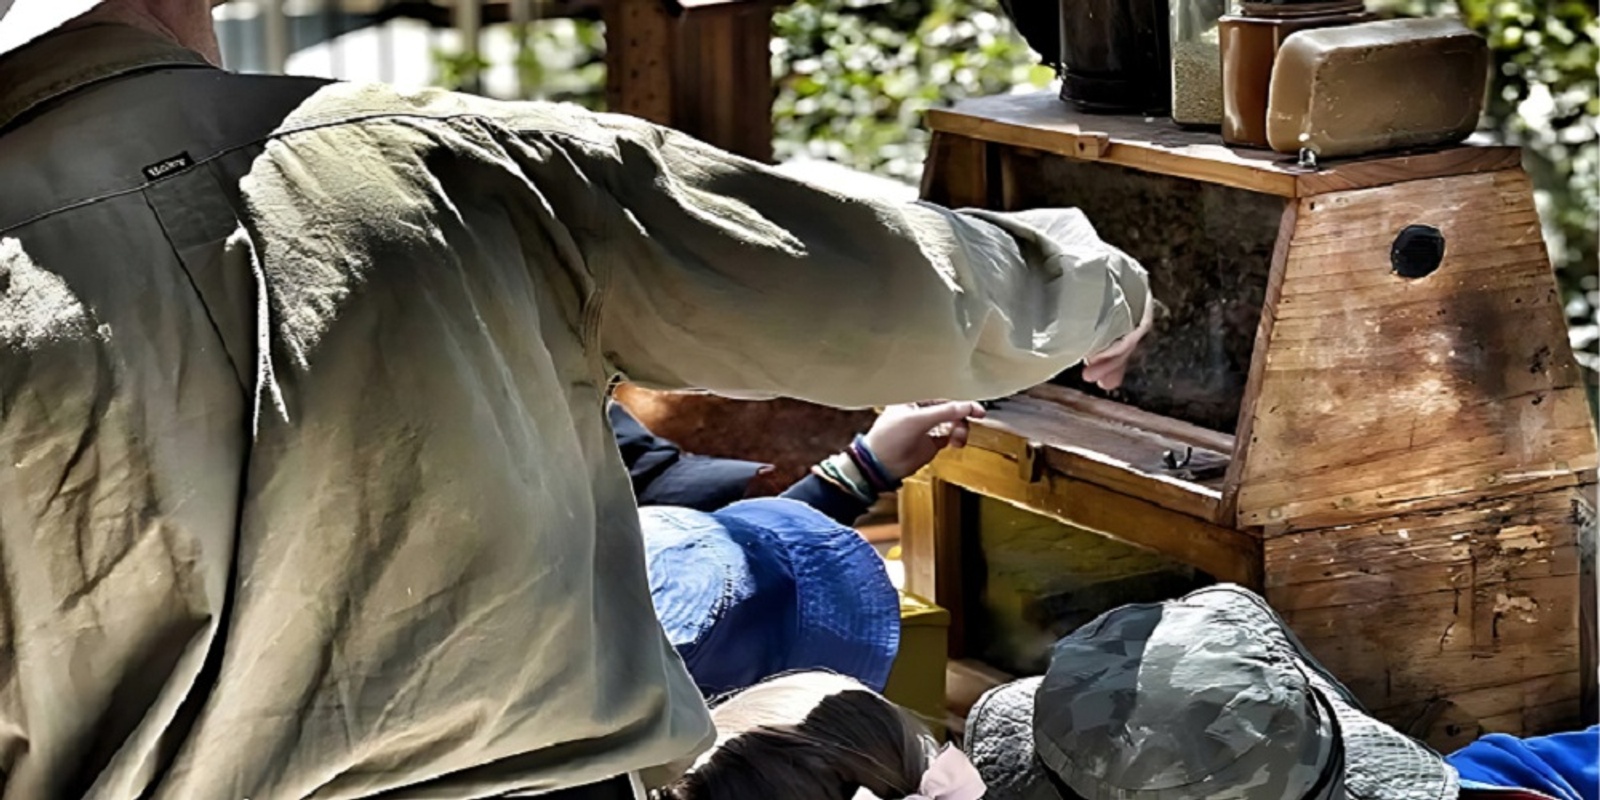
x=950, y=777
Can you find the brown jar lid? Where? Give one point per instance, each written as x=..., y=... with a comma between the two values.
x=1300, y=8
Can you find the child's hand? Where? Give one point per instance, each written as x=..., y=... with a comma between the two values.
x=905, y=438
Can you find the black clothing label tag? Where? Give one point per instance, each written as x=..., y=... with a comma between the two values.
x=167, y=166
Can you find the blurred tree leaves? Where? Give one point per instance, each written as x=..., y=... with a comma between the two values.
x=854, y=77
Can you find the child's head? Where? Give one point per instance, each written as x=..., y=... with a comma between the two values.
x=808, y=736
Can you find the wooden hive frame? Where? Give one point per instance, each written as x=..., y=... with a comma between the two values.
x=1410, y=480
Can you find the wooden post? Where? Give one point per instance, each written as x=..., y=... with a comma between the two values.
x=722, y=77
x=930, y=538
x=639, y=49
x=705, y=69
x=958, y=173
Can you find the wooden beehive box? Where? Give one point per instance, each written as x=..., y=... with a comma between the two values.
x=1396, y=451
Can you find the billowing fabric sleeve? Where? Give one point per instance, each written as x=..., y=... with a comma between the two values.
x=731, y=277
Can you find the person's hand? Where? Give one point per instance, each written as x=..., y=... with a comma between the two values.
x=905, y=438
x=1107, y=367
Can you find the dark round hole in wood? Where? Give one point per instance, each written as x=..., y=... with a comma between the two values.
x=1417, y=251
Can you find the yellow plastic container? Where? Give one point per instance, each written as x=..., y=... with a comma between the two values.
x=916, y=681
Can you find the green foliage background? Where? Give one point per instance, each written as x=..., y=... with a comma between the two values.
x=854, y=76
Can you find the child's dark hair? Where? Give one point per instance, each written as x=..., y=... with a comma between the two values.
x=808, y=736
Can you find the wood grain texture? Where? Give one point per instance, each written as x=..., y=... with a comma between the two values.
x=1472, y=609
x=1078, y=444
x=1223, y=553
x=1380, y=395
x=704, y=69
x=918, y=539
x=931, y=525
x=1112, y=411
x=959, y=173
x=1040, y=121
x=1244, y=431
x=639, y=54
x=722, y=77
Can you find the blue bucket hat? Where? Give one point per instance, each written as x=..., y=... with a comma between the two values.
x=769, y=586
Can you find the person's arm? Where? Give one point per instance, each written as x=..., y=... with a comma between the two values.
x=836, y=503
x=901, y=441
x=663, y=475
x=718, y=273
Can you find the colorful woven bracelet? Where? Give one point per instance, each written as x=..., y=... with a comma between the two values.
x=864, y=466
x=859, y=448
x=846, y=468
x=843, y=473
x=823, y=476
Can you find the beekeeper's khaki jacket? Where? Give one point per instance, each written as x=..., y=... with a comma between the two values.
x=306, y=489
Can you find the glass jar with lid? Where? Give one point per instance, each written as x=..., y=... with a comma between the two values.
x=1197, y=61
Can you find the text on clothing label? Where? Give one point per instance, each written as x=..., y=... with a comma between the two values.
x=167, y=166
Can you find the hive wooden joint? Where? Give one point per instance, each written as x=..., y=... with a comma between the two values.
x=1091, y=146
x=1030, y=462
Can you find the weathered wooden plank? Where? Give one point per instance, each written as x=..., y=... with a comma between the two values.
x=1589, y=611
x=1534, y=703
x=722, y=76
x=1224, y=553
x=1244, y=432
x=1442, y=644
x=639, y=53
x=1398, y=168
x=1499, y=540
x=1381, y=395
x=957, y=173
x=1040, y=121
x=1133, y=417
x=931, y=518
x=1459, y=606
x=1082, y=445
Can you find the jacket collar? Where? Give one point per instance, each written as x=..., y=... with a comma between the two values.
x=67, y=61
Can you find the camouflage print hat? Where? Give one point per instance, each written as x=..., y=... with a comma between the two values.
x=1209, y=696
